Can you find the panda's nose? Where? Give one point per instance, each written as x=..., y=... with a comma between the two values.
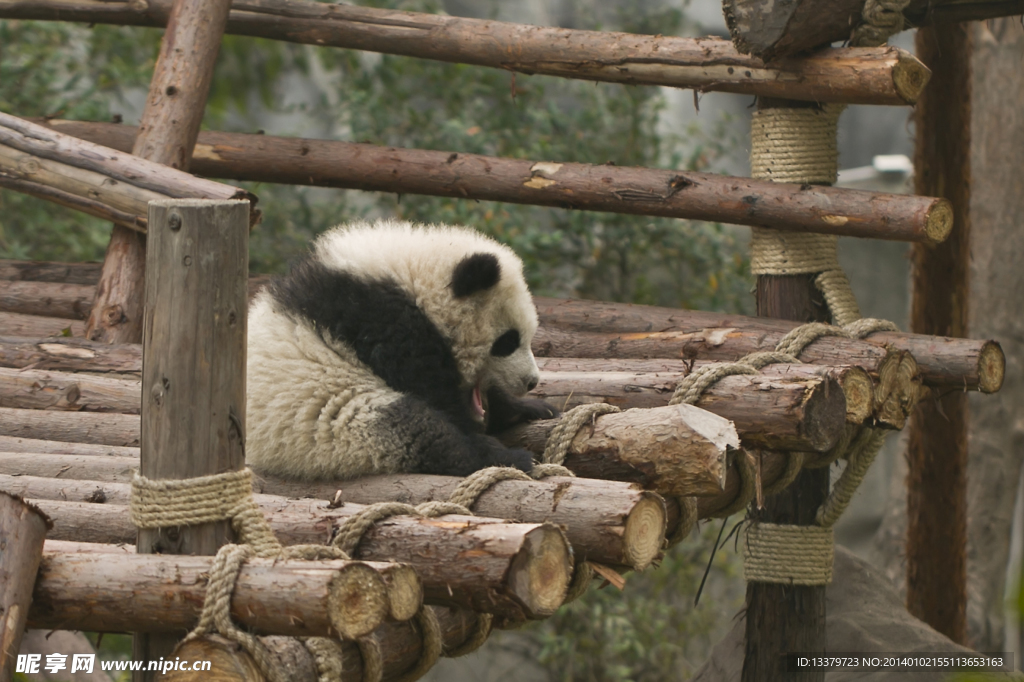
x=533, y=384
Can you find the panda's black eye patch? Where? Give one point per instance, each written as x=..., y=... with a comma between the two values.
x=506, y=344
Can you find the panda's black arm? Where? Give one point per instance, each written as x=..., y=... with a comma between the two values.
x=504, y=410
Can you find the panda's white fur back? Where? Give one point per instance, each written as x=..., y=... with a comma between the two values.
x=315, y=411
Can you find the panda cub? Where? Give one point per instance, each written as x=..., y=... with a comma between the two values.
x=391, y=348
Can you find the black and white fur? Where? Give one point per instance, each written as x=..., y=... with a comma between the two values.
x=391, y=348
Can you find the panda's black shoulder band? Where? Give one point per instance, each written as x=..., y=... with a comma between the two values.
x=478, y=272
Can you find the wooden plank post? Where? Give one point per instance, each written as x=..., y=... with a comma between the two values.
x=784, y=619
x=193, y=370
x=937, y=446
x=22, y=533
x=167, y=135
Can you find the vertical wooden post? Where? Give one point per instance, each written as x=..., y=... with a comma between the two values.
x=22, y=533
x=167, y=135
x=784, y=619
x=193, y=363
x=937, y=445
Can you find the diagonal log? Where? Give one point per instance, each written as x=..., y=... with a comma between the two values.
x=641, y=191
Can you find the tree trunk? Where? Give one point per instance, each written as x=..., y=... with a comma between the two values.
x=937, y=446
x=997, y=287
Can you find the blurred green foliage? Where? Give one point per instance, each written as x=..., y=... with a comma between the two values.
x=52, y=69
x=651, y=630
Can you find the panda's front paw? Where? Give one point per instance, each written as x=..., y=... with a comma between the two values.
x=532, y=409
x=505, y=410
x=520, y=459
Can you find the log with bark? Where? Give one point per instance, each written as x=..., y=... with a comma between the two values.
x=56, y=447
x=400, y=646
x=74, y=427
x=97, y=180
x=605, y=521
x=770, y=29
x=672, y=450
x=792, y=413
x=48, y=271
x=69, y=355
x=858, y=388
x=22, y=533
x=118, y=591
x=44, y=390
x=861, y=76
x=626, y=330
x=642, y=191
x=514, y=570
x=35, y=326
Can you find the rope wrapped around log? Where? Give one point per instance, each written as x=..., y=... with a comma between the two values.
x=799, y=145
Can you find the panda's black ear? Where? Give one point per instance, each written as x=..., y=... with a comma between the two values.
x=478, y=272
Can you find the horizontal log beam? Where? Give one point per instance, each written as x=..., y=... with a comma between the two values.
x=604, y=521
x=640, y=191
x=850, y=75
x=514, y=570
x=48, y=271
x=69, y=355
x=32, y=326
x=94, y=591
x=103, y=182
x=662, y=375
x=626, y=330
x=56, y=447
x=72, y=427
x=804, y=414
x=44, y=390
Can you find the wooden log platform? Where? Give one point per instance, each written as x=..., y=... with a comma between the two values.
x=667, y=449
x=97, y=180
x=615, y=189
x=857, y=385
x=864, y=76
x=626, y=330
x=514, y=570
x=92, y=590
x=607, y=522
x=56, y=447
